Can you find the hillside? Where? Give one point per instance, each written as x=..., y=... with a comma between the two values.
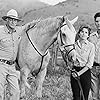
x=85, y=9
x=33, y=9
x=22, y=6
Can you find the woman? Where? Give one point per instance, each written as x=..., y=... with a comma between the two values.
x=85, y=52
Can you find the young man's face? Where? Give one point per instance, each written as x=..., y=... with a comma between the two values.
x=97, y=22
x=12, y=22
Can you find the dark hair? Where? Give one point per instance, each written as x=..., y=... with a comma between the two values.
x=96, y=15
x=81, y=28
x=84, y=26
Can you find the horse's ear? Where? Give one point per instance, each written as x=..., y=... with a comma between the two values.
x=74, y=20
x=63, y=18
x=70, y=23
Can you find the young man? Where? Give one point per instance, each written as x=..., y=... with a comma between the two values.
x=10, y=35
x=95, y=39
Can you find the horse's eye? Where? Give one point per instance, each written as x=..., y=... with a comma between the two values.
x=63, y=34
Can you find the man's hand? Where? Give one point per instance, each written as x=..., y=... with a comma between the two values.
x=30, y=25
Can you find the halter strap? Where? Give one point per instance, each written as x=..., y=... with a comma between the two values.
x=63, y=44
x=42, y=55
x=70, y=49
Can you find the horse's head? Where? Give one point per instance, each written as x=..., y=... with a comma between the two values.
x=66, y=38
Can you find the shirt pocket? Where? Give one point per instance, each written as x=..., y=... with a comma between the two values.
x=6, y=42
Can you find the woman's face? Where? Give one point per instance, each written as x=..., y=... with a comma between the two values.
x=84, y=34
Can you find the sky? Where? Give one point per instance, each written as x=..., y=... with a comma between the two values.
x=52, y=2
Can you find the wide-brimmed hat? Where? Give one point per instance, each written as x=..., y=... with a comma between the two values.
x=12, y=14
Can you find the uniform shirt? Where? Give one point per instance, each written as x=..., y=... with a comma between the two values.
x=95, y=39
x=9, y=42
x=85, y=53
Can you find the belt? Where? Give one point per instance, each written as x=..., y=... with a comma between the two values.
x=9, y=62
x=77, y=68
x=96, y=64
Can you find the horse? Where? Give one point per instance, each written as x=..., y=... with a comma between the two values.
x=65, y=41
x=33, y=53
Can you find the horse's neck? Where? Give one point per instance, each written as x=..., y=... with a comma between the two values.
x=41, y=45
x=46, y=44
x=42, y=38
x=53, y=39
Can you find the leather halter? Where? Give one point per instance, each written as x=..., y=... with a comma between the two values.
x=65, y=45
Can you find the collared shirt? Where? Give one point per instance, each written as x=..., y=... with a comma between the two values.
x=9, y=41
x=95, y=39
x=85, y=53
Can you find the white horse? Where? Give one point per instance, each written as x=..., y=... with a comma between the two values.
x=66, y=39
x=33, y=56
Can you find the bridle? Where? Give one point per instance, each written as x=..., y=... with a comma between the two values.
x=46, y=52
x=65, y=45
x=65, y=55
